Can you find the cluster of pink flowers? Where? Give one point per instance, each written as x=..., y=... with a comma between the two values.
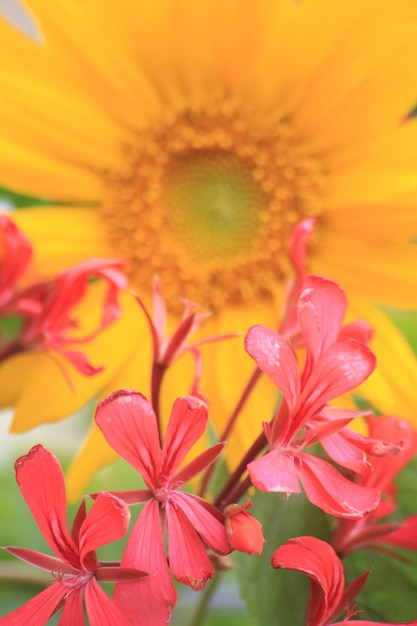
x=180, y=535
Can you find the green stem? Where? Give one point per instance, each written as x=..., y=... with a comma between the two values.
x=201, y=610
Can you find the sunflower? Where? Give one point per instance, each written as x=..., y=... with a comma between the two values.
x=190, y=138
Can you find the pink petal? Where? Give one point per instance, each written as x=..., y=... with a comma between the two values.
x=321, y=309
x=342, y=368
x=188, y=558
x=275, y=357
x=276, y=471
x=102, y=611
x=73, y=611
x=205, y=518
x=405, y=536
x=107, y=521
x=344, y=451
x=41, y=481
x=43, y=561
x=129, y=424
x=186, y=425
x=38, y=610
x=151, y=599
x=332, y=492
x=200, y=463
x=318, y=560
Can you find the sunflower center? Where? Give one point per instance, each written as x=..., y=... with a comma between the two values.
x=208, y=202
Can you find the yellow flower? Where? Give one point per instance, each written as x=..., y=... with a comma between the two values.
x=190, y=137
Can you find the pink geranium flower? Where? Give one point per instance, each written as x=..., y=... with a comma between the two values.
x=129, y=424
x=336, y=362
x=329, y=598
x=75, y=568
x=375, y=531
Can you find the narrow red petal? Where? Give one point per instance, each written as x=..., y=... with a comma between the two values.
x=188, y=558
x=41, y=481
x=332, y=492
x=205, y=518
x=275, y=357
x=203, y=460
x=186, y=425
x=129, y=424
x=151, y=599
x=321, y=309
x=107, y=521
x=102, y=611
x=38, y=610
x=43, y=561
x=73, y=611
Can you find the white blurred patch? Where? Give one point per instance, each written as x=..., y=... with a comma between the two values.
x=15, y=13
x=5, y=205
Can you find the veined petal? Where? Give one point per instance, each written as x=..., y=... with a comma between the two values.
x=107, y=521
x=43, y=561
x=151, y=599
x=41, y=481
x=321, y=309
x=38, y=610
x=188, y=558
x=201, y=462
x=102, y=611
x=73, y=610
x=319, y=561
x=341, y=369
x=128, y=422
x=275, y=357
x=205, y=518
x=276, y=471
x=332, y=492
x=186, y=425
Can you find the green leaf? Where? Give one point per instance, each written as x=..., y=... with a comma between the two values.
x=278, y=596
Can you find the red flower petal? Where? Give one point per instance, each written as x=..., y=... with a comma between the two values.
x=188, y=558
x=319, y=561
x=129, y=424
x=186, y=425
x=321, y=309
x=332, y=492
x=275, y=357
x=205, y=518
x=276, y=471
x=151, y=599
x=73, y=611
x=37, y=610
x=41, y=481
x=102, y=611
x=107, y=521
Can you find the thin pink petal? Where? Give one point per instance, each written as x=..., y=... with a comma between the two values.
x=275, y=357
x=129, y=424
x=186, y=425
x=319, y=562
x=102, y=611
x=188, y=558
x=342, y=368
x=41, y=481
x=200, y=463
x=276, y=471
x=405, y=536
x=38, y=610
x=73, y=611
x=332, y=492
x=321, y=309
x=344, y=451
x=107, y=521
x=151, y=599
x=205, y=518
x=43, y=561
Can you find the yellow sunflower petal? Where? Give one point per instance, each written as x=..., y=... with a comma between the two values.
x=392, y=386
x=62, y=237
x=383, y=272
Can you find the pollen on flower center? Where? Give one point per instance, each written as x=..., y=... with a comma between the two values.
x=208, y=200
